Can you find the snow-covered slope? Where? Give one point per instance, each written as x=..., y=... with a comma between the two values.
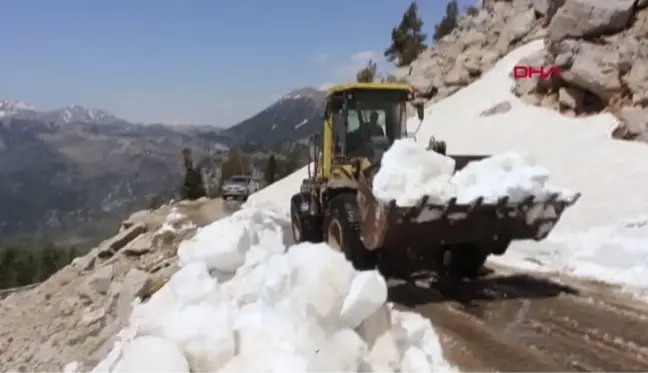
x=11, y=107
x=591, y=239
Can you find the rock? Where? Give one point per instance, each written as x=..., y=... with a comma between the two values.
x=570, y=97
x=520, y=25
x=457, y=76
x=633, y=123
x=499, y=108
x=101, y=279
x=591, y=72
x=131, y=287
x=541, y=6
x=640, y=25
x=92, y=315
x=564, y=53
x=140, y=245
x=120, y=240
x=590, y=18
x=637, y=82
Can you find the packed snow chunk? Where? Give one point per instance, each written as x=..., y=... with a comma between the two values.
x=415, y=361
x=175, y=223
x=224, y=244
x=417, y=331
x=345, y=351
x=367, y=294
x=72, y=367
x=321, y=281
x=192, y=283
x=271, y=339
x=384, y=355
x=151, y=354
x=408, y=172
x=511, y=174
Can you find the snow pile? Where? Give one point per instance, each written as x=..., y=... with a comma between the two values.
x=242, y=302
x=409, y=171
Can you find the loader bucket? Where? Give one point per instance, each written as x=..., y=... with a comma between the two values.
x=386, y=225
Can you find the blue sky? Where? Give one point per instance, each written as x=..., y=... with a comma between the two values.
x=184, y=61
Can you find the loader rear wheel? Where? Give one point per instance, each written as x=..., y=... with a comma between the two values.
x=342, y=232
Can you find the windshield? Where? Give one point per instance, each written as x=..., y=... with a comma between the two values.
x=239, y=179
x=373, y=124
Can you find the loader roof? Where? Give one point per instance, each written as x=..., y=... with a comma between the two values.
x=343, y=87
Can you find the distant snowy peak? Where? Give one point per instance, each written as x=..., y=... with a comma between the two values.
x=68, y=114
x=76, y=113
x=303, y=93
x=11, y=107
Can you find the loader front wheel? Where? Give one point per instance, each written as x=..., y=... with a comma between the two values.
x=342, y=232
x=305, y=227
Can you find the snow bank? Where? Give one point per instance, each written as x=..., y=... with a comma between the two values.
x=616, y=253
x=243, y=302
x=408, y=172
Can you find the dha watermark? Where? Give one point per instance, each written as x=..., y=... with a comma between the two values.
x=521, y=72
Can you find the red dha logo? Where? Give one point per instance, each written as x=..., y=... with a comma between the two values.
x=521, y=72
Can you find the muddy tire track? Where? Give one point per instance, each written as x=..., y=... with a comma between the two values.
x=520, y=322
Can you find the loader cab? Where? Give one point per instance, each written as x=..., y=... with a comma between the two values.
x=364, y=119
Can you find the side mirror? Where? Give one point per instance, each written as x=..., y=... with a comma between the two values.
x=420, y=111
x=314, y=145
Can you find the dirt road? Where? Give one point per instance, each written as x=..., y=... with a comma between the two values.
x=510, y=321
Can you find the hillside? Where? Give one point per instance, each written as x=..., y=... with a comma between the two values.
x=73, y=174
x=75, y=171
x=295, y=116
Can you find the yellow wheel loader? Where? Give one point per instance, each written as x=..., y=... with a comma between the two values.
x=336, y=203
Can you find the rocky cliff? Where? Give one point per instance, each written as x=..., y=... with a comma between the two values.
x=76, y=313
x=600, y=48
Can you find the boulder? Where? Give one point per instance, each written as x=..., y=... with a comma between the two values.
x=637, y=82
x=595, y=72
x=633, y=124
x=590, y=18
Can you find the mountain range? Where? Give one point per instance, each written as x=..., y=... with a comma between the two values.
x=70, y=175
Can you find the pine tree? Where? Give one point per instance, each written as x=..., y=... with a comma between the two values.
x=408, y=40
x=270, y=171
x=193, y=186
x=368, y=73
x=50, y=260
x=290, y=164
x=237, y=162
x=448, y=22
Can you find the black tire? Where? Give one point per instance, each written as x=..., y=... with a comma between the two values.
x=463, y=261
x=305, y=227
x=341, y=224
